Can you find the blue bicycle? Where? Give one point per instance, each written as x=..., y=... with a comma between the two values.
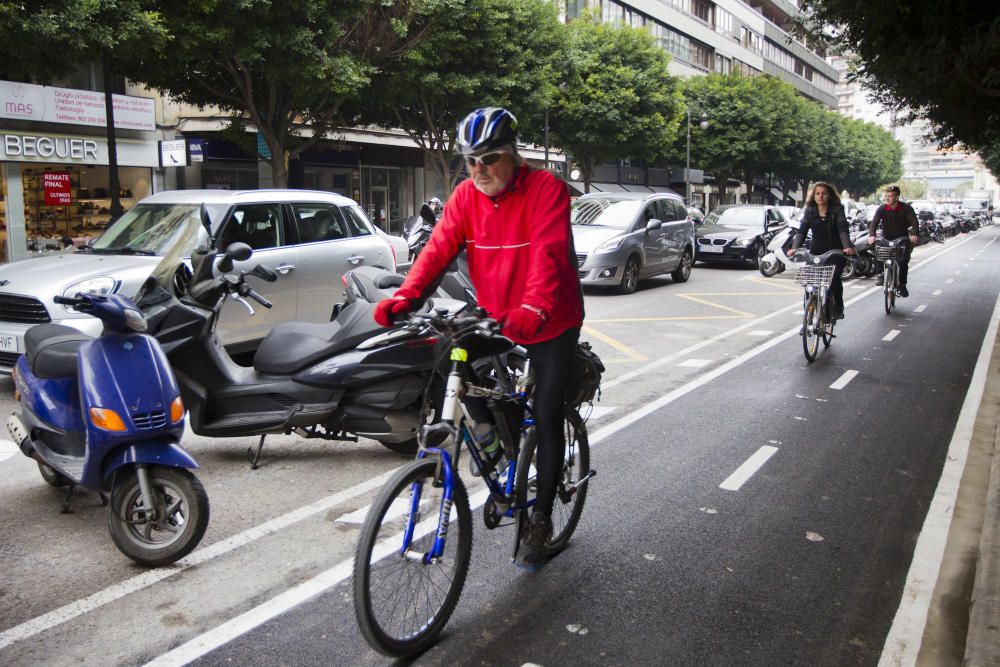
x=416, y=543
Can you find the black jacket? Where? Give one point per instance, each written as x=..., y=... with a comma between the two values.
x=833, y=233
x=895, y=223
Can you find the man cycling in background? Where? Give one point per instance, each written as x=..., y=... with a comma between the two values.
x=513, y=222
x=897, y=218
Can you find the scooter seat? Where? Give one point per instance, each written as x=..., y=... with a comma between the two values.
x=52, y=349
x=292, y=346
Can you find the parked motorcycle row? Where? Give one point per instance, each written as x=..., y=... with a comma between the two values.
x=863, y=262
x=107, y=414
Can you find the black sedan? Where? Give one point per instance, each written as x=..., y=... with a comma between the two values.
x=737, y=232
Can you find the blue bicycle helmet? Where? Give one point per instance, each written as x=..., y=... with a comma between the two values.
x=486, y=129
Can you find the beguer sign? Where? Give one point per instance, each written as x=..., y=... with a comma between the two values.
x=69, y=149
x=66, y=148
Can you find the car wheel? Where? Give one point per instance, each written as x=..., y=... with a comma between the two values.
x=683, y=270
x=760, y=249
x=630, y=276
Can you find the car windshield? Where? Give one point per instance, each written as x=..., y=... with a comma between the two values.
x=604, y=213
x=151, y=229
x=736, y=217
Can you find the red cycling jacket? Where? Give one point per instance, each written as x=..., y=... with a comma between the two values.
x=519, y=247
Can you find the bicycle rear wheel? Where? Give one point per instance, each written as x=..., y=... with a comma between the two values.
x=810, y=329
x=570, y=497
x=402, y=601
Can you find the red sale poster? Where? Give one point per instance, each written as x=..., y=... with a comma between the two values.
x=57, y=188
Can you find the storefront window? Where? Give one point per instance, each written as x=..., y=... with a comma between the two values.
x=65, y=206
x=382, y=194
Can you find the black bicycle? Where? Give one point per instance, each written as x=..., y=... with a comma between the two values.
x=889, y=253
x=413, y=555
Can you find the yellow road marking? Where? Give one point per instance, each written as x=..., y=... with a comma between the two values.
x=692, y=297
x=773, y=283
x=618, y=345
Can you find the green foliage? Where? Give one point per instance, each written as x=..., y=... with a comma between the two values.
x=618, y=100
x=480, y=53
x=759, y=126
x=912, y=189
x=45, y=39
x=283, y=66
x=935, y=60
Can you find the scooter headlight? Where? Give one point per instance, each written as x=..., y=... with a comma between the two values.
x=135, y=321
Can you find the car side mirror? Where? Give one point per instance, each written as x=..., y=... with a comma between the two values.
x=653, y=224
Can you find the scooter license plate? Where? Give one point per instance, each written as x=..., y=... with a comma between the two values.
x=8, y=343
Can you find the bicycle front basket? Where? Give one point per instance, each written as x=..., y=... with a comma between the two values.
x=815, y=275
x=885, y=252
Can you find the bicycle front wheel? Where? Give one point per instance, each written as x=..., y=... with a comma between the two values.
x=403, y=600
x=810, y=329
x=570, y=494
x=890, y=288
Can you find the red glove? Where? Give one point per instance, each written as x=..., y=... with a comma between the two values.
x=523, y=323
x=388, y=311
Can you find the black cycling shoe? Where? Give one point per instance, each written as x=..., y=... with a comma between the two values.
x=533, y=552
x=880, y=280
x=903, y=292
x=838, y=314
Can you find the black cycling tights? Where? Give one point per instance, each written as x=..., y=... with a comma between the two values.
x=836, y=284
x=552, y=361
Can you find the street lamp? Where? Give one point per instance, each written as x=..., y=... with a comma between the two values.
x=687, y=170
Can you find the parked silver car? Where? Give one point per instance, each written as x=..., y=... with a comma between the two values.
x=309, y=238
x=622, y=237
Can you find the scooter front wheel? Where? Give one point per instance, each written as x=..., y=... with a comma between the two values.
x=169, y=531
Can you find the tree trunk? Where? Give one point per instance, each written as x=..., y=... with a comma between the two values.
x=114, y=186
x=279, y=167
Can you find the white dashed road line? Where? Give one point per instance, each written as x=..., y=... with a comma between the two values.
x=936, y=292
x=921, y=308
x=892, y=334
x=844, y=379
x=747, y=470
x=695, y=363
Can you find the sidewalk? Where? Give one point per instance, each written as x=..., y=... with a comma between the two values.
x=963, y=620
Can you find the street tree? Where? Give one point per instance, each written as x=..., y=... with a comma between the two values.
x=46, y=39
x=618, y=98
x=286, y=68
x=722, y=149
x=925, y=58
x=481, y=53
x=912, y=189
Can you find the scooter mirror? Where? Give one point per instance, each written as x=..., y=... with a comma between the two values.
x=237, y=251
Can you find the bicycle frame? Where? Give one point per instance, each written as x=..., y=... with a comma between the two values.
x=454, y=424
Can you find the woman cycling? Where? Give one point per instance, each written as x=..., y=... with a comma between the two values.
x=825, y=218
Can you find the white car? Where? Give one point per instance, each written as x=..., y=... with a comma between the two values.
x=310, y=239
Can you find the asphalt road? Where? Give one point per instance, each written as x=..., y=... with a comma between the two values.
x=802, y=563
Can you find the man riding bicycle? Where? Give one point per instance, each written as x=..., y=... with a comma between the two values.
x=896, y=218
x=513, y=222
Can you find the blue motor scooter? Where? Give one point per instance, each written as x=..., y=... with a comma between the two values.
x=105, y=414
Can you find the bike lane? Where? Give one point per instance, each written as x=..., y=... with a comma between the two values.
x=804, y=562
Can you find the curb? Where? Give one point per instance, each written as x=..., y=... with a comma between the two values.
x=982, y=644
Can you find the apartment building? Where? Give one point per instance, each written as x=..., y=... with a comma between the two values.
x=726, y=36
